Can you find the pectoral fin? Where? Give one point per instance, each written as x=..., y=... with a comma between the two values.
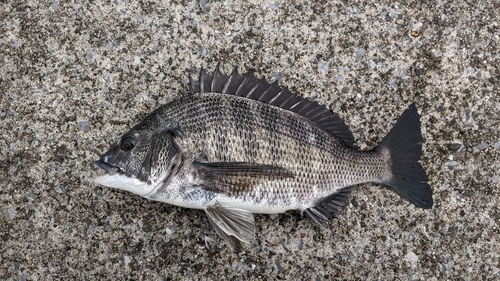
x=235, y=178
x=234, y=225
x=241, y=169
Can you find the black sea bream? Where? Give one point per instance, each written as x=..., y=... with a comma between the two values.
x=237, y=145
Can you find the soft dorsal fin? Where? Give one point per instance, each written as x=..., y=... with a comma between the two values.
x=260, y=90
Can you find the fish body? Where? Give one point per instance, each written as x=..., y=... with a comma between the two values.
x=236, y=146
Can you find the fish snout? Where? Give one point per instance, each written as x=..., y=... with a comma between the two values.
x=105, y=166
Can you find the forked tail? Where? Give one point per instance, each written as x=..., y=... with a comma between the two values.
x=404, y=143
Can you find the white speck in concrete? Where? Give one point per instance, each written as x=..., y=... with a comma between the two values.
x=11, y=214
x=416, y=26
x=14, y=43
x=412, y=257
x=58, y=81
x=84, y=125
x=203, y=4
x=13, y=146
x=360, y=53
x=274, y=6
x=323, y=67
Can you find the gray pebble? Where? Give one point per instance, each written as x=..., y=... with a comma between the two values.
x=11, y=214
x=360, y=53
x=84, y=125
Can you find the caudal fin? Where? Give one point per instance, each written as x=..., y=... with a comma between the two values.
x=404, y=143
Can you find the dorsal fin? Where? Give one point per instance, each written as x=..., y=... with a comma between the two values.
x=273, y=94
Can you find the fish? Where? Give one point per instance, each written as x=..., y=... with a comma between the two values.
x=236, y=145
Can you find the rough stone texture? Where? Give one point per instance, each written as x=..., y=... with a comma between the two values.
x=73, y=76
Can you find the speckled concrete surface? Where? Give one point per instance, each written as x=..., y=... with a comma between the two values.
x=73, y=76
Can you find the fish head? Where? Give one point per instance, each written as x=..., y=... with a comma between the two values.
x=139, y=161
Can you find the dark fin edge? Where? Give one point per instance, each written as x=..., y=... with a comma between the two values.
x=233, y=225
x=273, y=94
x=329, y=206
x=404, y=145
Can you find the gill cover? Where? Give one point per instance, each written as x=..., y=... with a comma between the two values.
x=141, y=158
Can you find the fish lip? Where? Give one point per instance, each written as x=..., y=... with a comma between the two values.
x=105, y=166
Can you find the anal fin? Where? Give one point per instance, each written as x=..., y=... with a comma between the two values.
x=329, y=206
x=233, y=225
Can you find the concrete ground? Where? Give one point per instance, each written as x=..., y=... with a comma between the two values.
x=74, y=76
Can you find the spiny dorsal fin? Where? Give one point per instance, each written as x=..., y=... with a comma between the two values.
x=273, y=94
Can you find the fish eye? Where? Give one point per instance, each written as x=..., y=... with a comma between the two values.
x=127, y=143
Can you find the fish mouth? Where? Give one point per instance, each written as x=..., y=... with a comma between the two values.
x=110, y=169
